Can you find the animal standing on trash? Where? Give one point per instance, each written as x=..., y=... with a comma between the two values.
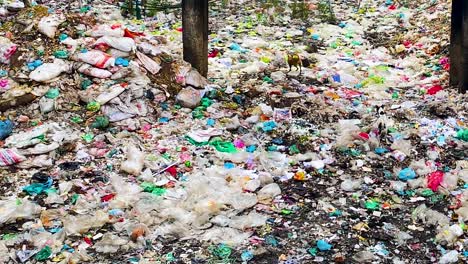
x=294, y=60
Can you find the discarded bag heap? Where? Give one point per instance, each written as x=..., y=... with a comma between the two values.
x=115, y=149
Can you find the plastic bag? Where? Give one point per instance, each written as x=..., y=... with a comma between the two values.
x=195, y=79
x=80, y=224
x=120, y=43
x=7, y=49
x=109, y=243
x=96, y=58
x=127, y=193
x=94, y=72
x=6, y=128
x=10, y=156
x=148, y=63
x=10, y=210
x=49, y=25
x=449, y=257
x=189, y=97
x=48, y=71
x=106, y=30
x=268, y=192
x=135, y=161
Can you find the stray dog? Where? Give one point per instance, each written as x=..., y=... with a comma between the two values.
x=294, y=60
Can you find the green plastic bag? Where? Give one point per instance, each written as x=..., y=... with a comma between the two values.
x=44, y=254
x=223, y=146
x=101, y=122
x=463, y=134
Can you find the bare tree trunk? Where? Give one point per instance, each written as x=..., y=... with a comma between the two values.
x=27, y=3
x=459, y=45
x=195, y=33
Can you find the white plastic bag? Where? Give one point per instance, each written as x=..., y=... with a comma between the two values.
x=96, y=58
x=106, y=30
x=120, y=43
x=49, y=25
x=148, y=63
x=189, y=97
x=10, y=210
x=94, y=72
x=49, y=71
x=135, y=161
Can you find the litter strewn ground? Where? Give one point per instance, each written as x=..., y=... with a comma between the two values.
x=115, y=150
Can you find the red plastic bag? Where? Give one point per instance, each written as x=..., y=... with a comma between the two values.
x=434, y=180
x=434, y=89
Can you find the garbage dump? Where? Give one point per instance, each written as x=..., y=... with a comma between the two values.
x=326, y=131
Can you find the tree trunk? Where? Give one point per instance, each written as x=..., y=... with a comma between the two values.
x=195, y=33
x=27, y=3
x=464, y=77
x=459, y=45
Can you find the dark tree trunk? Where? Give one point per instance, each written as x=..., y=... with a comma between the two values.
x=459, y=45
x=195, y=33
x=27, y=3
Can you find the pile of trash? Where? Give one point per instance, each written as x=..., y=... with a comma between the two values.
x=309, y=141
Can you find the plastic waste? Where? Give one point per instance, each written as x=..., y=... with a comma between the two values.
x=46, y=105
x=49, y=71
x=110, y=243
x=48, y=25
x=323, y=245
x=450, y=256
x=363, y=257
x=7, y=49
x=449, y=234
x=350, y=185
x=189, y=97
x=43, y=254
x=434, y=180
x=96, y=58
x=18, y=209
x=120, y=43
x=106, y=30
x=80, y=224
x=6, y=128
x=10, y=157
x=407, y=174
x=135, y=161
x=94, y=72
x=149, y=64
x=268, y=192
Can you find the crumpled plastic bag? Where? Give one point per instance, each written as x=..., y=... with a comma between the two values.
x=120, y=43
x=109, y=243
x=152, y=66
x=127, y=193
x=96, y=58
x=101, y=94
x=80, y=224
x=10, y=156
x=10, y=210
x=135, y=161
x=106, y=30
x=7, y=49
x=49, y=71
x=94, y=72
x=49, y=25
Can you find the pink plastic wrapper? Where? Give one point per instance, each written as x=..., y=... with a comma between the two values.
x=9, y=157
x=434, y=180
